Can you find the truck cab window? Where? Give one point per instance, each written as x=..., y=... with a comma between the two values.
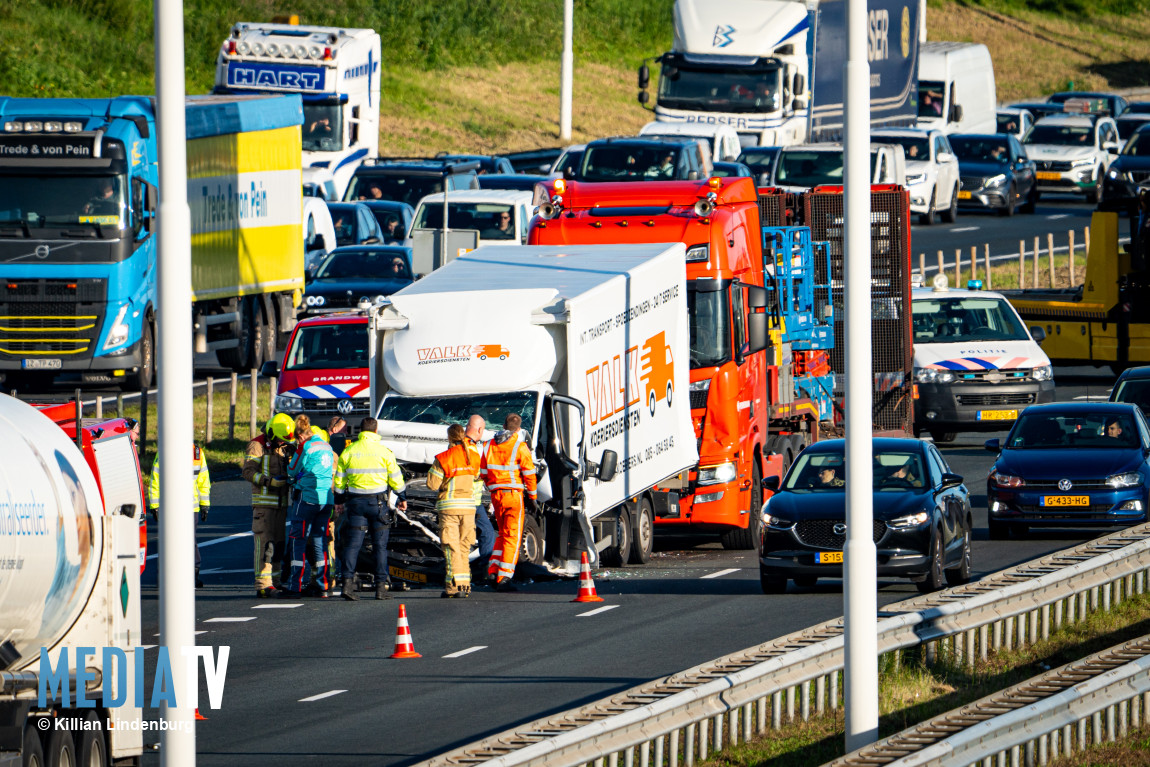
x=738, y=89
x=353, y=133
x=322, y=128
x=708, y=314
x=738, y=319
x=137, y=208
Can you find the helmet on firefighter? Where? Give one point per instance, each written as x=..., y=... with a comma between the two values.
x=280, y=426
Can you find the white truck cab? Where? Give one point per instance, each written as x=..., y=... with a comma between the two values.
x=723, y=139
x=976, y=364
x=336, y=73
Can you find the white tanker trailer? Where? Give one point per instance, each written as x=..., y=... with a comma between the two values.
x=70, y=559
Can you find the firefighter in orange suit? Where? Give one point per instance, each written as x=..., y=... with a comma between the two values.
x=454, y=475
x=508, y=471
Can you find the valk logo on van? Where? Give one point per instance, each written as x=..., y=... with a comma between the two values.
x=430, y=355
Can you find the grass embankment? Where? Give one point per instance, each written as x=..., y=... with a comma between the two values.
x=914, y=692
x=484, y=76
x=225, y=453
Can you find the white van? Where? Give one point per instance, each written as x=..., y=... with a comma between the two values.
x=956, y=88
x=318, y=232
x=976, y=365
x=723, y=139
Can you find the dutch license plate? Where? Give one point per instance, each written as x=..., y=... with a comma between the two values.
x=997, y=415
x=1045, y=175
x=829, y=558
x=46, y=363
x=407, y=575
x=1065, y=500
x=964, y=195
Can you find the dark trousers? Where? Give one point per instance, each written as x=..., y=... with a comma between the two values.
x=307, y=529
x=363, y=515
x=485, y=537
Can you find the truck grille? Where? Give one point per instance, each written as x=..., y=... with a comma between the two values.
x=360, y=407
x=51, y=317
x=995, y=399
x=820, y=533
x=698, y=400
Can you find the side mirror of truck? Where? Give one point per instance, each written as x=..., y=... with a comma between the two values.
x=756, y=296
x=644, y=78
x=757, y=335
x=607, y=465
x=956, y=113
x=270, y=369
x=128, y=509
x=644, y=97
x=1038, y=333
x=800, y=85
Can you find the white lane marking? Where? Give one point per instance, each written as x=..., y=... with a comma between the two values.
x=1057, y=216
x=721, y=573
x=597, y=610
x=321, y=696
x=225, y=572
x=214, y=541
x=468, y=651
x=278, y=607
x=956, y=230
x=231, y=619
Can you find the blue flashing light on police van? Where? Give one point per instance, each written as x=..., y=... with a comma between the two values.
x=974, y=284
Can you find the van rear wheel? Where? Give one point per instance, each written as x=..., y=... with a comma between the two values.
x=616, y=554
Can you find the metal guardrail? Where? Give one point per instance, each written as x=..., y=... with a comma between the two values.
x=1087, y=702
x=684, y=717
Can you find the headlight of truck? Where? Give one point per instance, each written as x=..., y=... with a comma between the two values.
x=315, y=300
x=119, y=331
x=716, y=475
x=1128, y=479
x=933, y=375
x=703, y=386
x=1042, y=373
x=909, y=521
x=998, y=180
x=699, y=253
x=288, y=403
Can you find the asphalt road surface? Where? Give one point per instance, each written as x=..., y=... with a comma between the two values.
x=311, y=681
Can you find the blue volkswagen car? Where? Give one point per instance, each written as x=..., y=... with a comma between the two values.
x=1070, y=464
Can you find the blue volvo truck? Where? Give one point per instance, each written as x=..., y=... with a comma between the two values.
x=78, y=245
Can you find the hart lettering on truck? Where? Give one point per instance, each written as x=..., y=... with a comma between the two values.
x=275, y=77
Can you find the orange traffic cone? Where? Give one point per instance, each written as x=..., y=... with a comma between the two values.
x=200, y=716
x=586, y=585
x=403, y=646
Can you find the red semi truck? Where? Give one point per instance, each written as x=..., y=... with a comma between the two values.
x=748, y=422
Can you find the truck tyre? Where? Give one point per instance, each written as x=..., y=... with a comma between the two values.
x=32, y=750
x=249, y=337
x=91, y=751
x=142, y=379
x=950, y=215
x=532, y=550
x=642, y=533
x=270, y=331
x=61, y=751
x=771, y=583
x=746, y=539
x=927, y=219
x=616, y=554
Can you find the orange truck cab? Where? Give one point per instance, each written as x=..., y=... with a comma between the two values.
x=732, y=371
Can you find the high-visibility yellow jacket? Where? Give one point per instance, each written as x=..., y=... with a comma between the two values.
x=262, y=464
x=477, y=450
x=202, y=488
x=367, y=467
x=507, y=464
x=454, y=475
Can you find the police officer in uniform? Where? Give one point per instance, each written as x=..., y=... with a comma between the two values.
x=364, y=474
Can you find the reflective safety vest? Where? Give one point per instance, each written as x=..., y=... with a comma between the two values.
x=507, y=464
x=201, y=489
x=262, y=464
x=477, y=450
x=367, y=467
x=454, y=475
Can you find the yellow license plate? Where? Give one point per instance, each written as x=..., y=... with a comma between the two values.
x=407, y=575
x=1045, y=175
x=1065, y=500
x=829, y=558
x=997, y=415
x=964, y=195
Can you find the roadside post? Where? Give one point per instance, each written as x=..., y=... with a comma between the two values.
x=566, y=71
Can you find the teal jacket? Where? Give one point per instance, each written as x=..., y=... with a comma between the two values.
x=311, y=471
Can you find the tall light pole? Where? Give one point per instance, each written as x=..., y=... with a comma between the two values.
x=859, y=587
x=566, y=69
x=174, y=357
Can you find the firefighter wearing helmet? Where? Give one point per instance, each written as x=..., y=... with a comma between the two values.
x=265, y=468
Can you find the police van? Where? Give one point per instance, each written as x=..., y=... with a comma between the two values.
x=976, y=364
x=336, y=73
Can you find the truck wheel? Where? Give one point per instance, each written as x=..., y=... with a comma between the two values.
x=950, y=215
x=249, y=338
x=61, y=751
x=92, y=751
x=745, y=540
x=270, y=332
x=32, y=750
x=642, y=533
x=615, y=555
x=142, y=379
x=771, y=583
x=532, y=550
